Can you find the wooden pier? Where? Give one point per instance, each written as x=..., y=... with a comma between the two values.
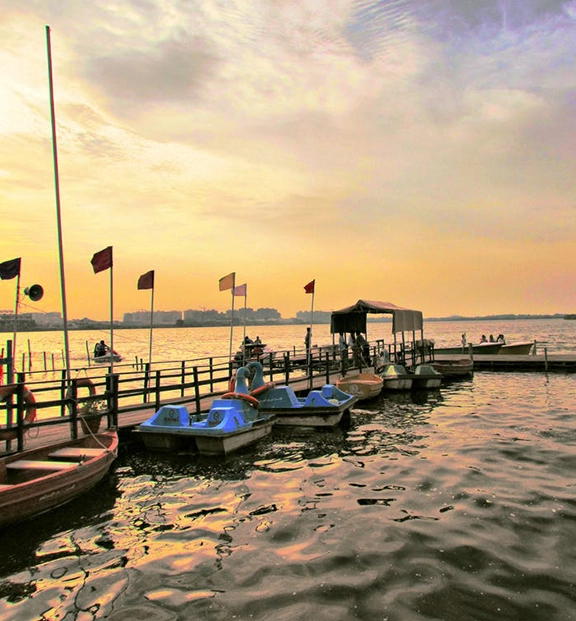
x=133, y=393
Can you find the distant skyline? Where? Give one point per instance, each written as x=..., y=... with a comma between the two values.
x=419, y=152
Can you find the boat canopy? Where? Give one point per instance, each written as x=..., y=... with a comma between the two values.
x=353, y=318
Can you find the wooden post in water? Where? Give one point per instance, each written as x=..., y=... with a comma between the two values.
x=546, y=359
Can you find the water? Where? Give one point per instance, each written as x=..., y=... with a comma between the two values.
x=457, y=504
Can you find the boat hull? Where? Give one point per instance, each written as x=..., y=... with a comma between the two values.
x=517, y=349
x=30, y=484
x=309, y=417
x=204, y=442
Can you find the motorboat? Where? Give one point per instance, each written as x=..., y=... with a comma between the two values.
x=425, y=377
x=365, y=386
x=487, y=348
x=233, y=422
x=395, y=377
x=40, y=479
x=325, y=407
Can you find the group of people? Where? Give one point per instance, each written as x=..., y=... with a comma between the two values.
x=498, y=339
x=359, y=346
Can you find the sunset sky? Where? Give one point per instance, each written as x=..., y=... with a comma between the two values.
x=420, y=152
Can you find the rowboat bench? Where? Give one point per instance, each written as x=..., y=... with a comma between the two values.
x=35, y=464
x=77, y=453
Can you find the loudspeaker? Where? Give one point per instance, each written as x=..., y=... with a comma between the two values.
x=35, y=292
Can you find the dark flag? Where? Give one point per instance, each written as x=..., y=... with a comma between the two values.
x=309, y=288
x=10, y=269
x=102, y=260
x=146, y=281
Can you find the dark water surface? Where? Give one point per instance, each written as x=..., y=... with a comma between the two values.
x=455, y=504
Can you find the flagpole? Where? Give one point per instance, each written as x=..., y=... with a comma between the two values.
x=151, y=325
x=58, y=210
x=112, y=318
x=15, y=319
x=232, y=316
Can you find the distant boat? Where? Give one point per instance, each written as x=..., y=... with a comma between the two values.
x=477, y=349
x=34, y=481
x=107, y=358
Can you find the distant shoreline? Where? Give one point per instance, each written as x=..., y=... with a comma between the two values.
x=102, y=325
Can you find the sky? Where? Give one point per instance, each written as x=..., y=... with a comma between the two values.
x=418, y=152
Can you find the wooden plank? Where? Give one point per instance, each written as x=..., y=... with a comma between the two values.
x=77, y=452
x=36, y=464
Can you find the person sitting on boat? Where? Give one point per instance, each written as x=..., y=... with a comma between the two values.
x=492, y=340
x=258, y=341
x=501, y=339
x=100, y=349
x=483, y=339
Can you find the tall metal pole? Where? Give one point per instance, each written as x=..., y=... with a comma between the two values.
x=58, y=213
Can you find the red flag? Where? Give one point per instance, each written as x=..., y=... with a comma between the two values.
x=227, y=282
x=309, y=288
x=146, y=281
x=240, y=290
x=102, y=260
x=10, y=269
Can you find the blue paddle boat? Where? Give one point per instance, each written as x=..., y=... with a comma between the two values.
x=234, y=421
x=325, y=407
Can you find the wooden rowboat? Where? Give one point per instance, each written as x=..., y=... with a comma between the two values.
x=452, y=369
x=34, y=481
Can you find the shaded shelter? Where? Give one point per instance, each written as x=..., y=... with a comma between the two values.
x=354, y=319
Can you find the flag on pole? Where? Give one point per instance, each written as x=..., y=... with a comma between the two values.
x=102, y=260
x=10, y=269
x=227, y=282
x=146, y=281
x=309, y=288
x=240, y=290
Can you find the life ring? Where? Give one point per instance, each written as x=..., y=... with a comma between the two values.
x=83, y=382
x=240, y=395
x=263, y=388
x=29, y=400
x=232, y=383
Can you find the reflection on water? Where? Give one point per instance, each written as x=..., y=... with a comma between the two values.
x=450, y=505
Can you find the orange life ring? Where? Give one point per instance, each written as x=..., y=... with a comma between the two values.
x=83, y=382
x=232, y=383
x=29, y=400
x=263, y=388
x=240, y=395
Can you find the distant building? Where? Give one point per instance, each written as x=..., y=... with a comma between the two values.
x=161, y=318
x=318, y=317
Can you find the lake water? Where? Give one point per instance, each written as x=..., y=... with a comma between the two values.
x=456, y=504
